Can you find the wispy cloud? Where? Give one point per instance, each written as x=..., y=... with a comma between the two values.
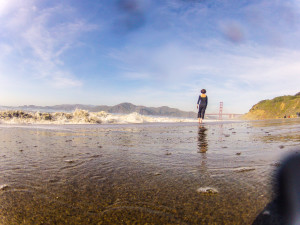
x=41, y=40
x=63, y=80
x=161, y=53
x=253, y=71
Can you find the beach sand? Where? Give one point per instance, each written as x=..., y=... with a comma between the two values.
x=154, y=173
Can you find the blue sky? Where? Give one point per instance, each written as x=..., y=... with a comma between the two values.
x=151, y=53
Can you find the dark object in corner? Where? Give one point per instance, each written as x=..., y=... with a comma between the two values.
x=285, y=208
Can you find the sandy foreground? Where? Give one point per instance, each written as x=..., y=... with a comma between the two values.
x=155, y=173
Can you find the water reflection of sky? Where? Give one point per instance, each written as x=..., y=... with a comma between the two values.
x=138, y=171
x=279, y=130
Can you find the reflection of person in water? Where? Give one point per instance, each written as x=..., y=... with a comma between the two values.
x=202, y=139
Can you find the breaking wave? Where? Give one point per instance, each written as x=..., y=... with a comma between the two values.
x=80, y=117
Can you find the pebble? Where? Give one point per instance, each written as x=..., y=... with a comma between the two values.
x=69, y=161
x=245, y=169
x=238, y=153
x=3, y=187
x=207, y=190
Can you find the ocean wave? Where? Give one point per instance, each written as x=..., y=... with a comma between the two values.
x=80, y=116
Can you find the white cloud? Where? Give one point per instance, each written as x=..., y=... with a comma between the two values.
x=182, y=47
x=63, y=80
x=40, y=40
x=239, y=75
x=7, y=6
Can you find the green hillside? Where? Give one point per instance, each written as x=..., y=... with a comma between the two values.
x=276, y=108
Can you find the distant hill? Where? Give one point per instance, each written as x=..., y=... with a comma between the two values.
x=278, y=107
x=123, y=108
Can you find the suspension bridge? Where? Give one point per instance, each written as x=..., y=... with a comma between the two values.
x=220, y=115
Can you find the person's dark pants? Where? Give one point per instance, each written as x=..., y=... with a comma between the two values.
x=201, y=112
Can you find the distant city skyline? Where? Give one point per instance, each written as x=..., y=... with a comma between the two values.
x=148, y=53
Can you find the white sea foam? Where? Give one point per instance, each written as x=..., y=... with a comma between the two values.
x=82, y=117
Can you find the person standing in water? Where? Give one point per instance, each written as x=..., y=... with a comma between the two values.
x=201, y=105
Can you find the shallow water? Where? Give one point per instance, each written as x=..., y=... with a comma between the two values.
x=178, y=173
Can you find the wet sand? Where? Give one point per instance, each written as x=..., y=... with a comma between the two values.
x=178, y=173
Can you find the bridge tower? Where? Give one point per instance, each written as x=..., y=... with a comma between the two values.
x=221, y=111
